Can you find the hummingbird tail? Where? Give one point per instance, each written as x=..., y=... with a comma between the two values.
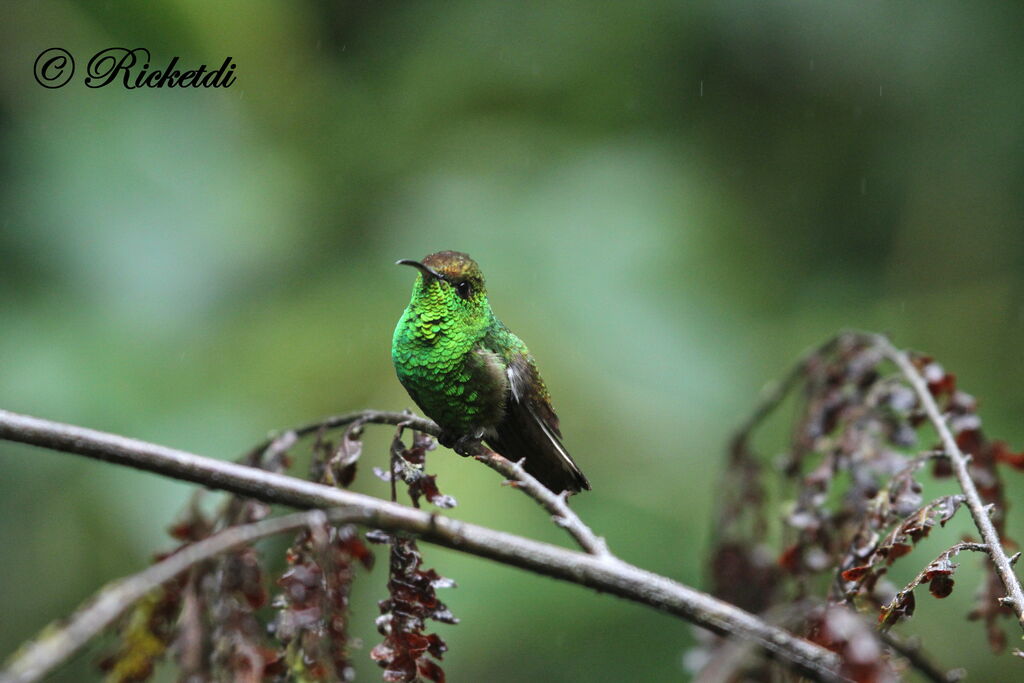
x=529, y=431
x=524, y=436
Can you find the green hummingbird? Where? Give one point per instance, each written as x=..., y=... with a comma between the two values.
x=473, y=376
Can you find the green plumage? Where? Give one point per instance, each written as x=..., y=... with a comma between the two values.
x=473, y=376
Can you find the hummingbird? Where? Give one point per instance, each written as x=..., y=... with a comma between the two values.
x=473, y=376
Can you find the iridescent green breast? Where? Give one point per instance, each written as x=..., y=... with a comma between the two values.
x=445, y=372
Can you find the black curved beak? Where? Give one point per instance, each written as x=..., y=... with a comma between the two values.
x=426, y=270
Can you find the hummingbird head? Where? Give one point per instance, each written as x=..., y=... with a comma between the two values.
x=450, y=287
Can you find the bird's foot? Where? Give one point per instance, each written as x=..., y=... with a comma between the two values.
x=464, y=444
x=467, y=445
x=446, y=438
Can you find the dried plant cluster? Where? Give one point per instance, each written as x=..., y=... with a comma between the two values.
x=220, y=623
x=850, y=488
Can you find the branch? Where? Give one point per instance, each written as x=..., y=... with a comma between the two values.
x=382, y=417
x=934, y=571
x=554, y=503
x=1015, y=595
x=601, y=573
x=52, y=647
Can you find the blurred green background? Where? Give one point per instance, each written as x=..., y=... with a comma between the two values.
x=670, y=200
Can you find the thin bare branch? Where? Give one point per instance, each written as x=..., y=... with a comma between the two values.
x=554, y=503
x=982, y=520
x=600, y=573
x=58, y=643
x=383, y=417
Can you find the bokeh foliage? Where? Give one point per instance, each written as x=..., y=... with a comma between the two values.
x=670, y=200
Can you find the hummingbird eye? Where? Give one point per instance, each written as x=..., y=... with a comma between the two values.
x=464, y=289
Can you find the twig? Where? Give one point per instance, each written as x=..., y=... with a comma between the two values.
x=616, y=577
x=958, y=460
x=947, y=555
x=56, y=644
x=383, y=417
x=554, y=503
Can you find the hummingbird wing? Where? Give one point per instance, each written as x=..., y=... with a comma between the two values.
x=529, y=429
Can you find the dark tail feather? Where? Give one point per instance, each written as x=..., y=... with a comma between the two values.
x=522, y=435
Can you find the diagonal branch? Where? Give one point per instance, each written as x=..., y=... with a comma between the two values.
x=55, y=645
x=556, y=504
x=982, y=520
x=600, y=573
